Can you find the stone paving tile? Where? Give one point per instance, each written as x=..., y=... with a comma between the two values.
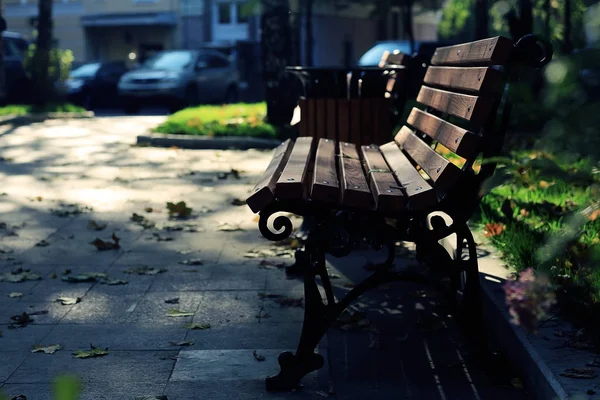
x=103, y=308
x=37, y=391
x=10, y=362
x=178, y=280
x=23, y=339
x=250, y=335
x=128, y=336
x=228, y=308
x=117, y=366
x=56, y=311
x=152, y=308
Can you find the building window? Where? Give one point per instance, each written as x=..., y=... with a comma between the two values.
x=224, y=13
x=242, y=12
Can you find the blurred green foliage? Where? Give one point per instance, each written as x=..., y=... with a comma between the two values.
x=64, y=387
x=458, y=20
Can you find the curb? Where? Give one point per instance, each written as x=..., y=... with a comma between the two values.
x=513, y=342
x=206, y=143
x=41, y=117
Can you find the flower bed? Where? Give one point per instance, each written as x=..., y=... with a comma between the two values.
x=227, y=120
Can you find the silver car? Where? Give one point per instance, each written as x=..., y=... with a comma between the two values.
x=180, y=78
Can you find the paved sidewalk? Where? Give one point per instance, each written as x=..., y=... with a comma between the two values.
x=59, y=175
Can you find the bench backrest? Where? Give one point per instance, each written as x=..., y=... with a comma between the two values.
x=461, y=94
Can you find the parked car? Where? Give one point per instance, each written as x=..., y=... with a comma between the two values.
x=95, y=85
x=423, y=50
x=180, y=78
x=17, y=82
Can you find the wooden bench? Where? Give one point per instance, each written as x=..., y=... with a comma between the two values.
x=404, y=190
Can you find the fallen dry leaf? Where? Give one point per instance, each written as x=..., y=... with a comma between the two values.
x=145, y=270
x=579, y=373
x=516, y=383
x=142, y=221
x=183, y=343
x=42, y=243
x=258, y=357
x=93, y=352
x=20, y=275
x=290, y=302
x=46, y=349
x=594, y=215
x=172, y=301
x=348, y=285
x=493, y=229
x=197, y=326
x=14, y=295
x=227, y=227
x=179, y=210
x=595, y=363
x=85, y=277
x=96, y=226
x=544, y=184
x=148, y=209
x=177, y=313
x=102, y=245
x=193, y=261
x=68, y=301
x=238, y=202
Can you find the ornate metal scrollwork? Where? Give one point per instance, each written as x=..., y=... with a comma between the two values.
x=534, y=51
x=336, y=237
x=282, y=225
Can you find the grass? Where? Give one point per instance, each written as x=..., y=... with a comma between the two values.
x=228, y=120
x=22, y=109
x=536, y=220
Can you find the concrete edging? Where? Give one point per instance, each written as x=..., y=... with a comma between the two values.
x=40, y=117
x=514, y=343
x=205, y=142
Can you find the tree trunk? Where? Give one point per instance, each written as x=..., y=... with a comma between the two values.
x=481, y=19
x=547, y=11
x=308, y=20
x=567, y=46
x=42, y=85
x=526, y=11
x=408, y=24
x=275, y=53
x=2, y=73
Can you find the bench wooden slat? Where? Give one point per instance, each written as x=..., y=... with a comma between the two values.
x=470, y=108
x=455, y=138
x=440, y=170
x=292, y=181
x=325, y=183
x=493, y=51
x=355, y=133
x=343, y=120
x=331, y=130
x=472, y=79
x=321, y=118
x=419, y=192
x=355, y=189
x=263, y=192
x=386, y=191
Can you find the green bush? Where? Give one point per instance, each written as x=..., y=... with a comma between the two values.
x=227, y=120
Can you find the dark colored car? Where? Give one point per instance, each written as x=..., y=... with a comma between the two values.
x=423, y=50
x=180, y=78
x=95, y=85
x=17, y=82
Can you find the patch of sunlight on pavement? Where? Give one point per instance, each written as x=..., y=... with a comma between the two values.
x=99, y=198
x=65, y=131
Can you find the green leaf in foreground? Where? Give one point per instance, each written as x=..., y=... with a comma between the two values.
x=66, y=387
x=46, y=349
x=93, y=352
x=197, y=326
x=177, y=313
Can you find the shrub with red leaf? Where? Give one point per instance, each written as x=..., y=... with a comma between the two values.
x=529, y=299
